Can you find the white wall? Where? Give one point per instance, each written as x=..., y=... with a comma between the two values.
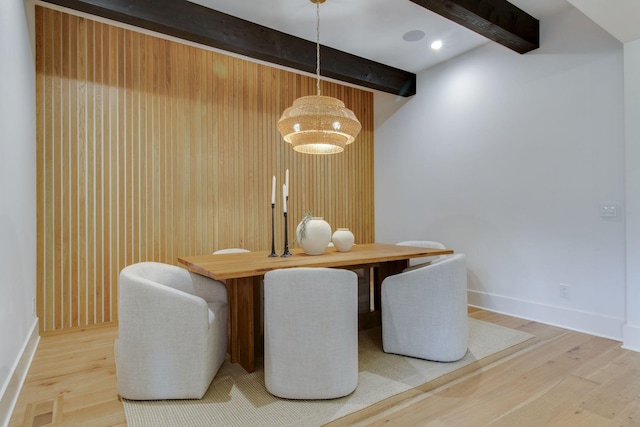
x=507, y=158
x=632, y=125
x=17, y=196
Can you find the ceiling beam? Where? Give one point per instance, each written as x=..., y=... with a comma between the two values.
x=199, y=24
x=497, y=20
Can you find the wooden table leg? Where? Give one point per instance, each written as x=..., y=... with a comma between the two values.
x=232, y=326
x=245, y=321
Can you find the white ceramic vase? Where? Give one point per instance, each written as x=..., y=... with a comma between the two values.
x=317, y=235
x=343, y=239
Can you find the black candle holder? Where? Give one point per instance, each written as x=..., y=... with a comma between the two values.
x=273, y=231
x=286, y=252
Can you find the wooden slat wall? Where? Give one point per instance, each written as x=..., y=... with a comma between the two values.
x=148, y=149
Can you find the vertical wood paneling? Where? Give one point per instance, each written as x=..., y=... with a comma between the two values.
x=41, y=179
x=149, y=149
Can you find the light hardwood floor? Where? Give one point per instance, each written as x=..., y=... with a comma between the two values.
x=563, y=378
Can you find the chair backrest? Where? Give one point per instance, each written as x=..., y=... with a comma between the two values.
x=424, y=244
x=171, y=276
x=230, y=251
x=452, y=268
x=317, y=288
x=162, y=274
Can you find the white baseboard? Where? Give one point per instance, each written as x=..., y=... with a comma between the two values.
x=575, y=320
x=18, y=374
x=631, y=337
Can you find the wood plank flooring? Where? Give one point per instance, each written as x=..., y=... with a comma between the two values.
x=564, y=378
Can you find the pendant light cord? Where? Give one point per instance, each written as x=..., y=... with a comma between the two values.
x=318, y=46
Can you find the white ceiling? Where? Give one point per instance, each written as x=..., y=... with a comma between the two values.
x=621, y=18
x=373, y=29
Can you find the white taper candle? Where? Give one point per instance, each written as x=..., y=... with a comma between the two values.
x=286, y=182
x=273, y=190
x=284, y=197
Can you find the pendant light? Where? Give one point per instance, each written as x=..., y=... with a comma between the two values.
x=318, y=124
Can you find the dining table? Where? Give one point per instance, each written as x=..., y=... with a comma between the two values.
x=242, y=274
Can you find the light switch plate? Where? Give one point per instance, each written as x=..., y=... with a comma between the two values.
x=608, y=210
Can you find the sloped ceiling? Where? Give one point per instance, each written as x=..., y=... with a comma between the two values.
x=620, y=18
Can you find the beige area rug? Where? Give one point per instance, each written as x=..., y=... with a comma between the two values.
x=237, y=398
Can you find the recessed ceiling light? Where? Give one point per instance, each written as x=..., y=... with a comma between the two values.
x=413, y=35
x=436, y=45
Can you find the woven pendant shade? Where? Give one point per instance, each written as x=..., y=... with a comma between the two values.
x=318, y=125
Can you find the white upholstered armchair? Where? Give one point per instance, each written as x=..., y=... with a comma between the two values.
x=311, y=332
x=424, y=311
x=172, y=333
x=230, y=251
x=413, y=262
